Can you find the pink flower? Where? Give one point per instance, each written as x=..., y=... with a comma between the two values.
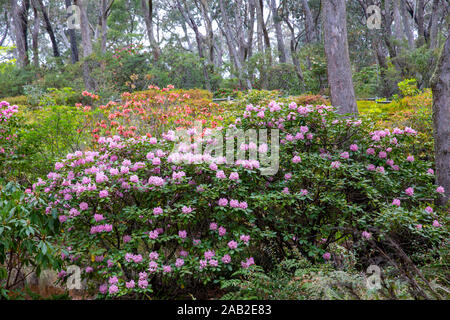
x=419, y=226
x=153, y=255
x=62, y=218
x=220, y=174
x=296, y=159
x=103, y=289
x=354, y=147
x=182, y=234
x=113, y=289
x=430, y=171
x=429, y=209
x=234, y=203
x=126, y=238
x=232, y=244
x=226, y=259
x=213, y=263
x=234, y=176
x=243, y=205
x=186, y=210
x=143, y=283
x=244, y=238
x=130, y=284
x=167, y=269
x=157, y=211
x=396, y=202
x=134, y=178
x=335, y=164
x=213, y=226
x=382, y=154
x=440, y=189
x=327, y=256
x=410, y=159
x=436, y=223
x=370, y=151
x=209, y=254
x=98, y=217
x=103, y=194
x=366, y=235
x=223, y=202
x=345, y=155
x=409, y=191
x=84, y=206
x=222, y=231
x=179, y=262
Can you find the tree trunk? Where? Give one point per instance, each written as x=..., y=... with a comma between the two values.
x=20, y=24
x=398, y=33
x=406, y=25
x=86, y=41
x=232, y=47
x=434, y=21
x=6, y=29
x=73, y=40
x=49, y=28
x=198, y=38
x=148, y=18
x=338, y=61
x=440, y=85
x=420, y=23
x=35, y=35
x=309, y=23
x=278, y=31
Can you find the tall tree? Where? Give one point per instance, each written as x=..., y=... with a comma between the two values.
x=440, y=85
x=49, y=29
x=184, y=10
x=86, y=41
x=147, y=8
x=338, y=61
x=35, y=34
x=278, y=30
x=72, y=39
x=19, y=17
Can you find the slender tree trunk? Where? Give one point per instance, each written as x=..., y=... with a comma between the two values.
x=309, y=23
x=6, y=29
x=231, y=46
x=148, y=18
x=338, y=61
x=263, y=44
x=278, y=31
x=35, y=35
x=198, y=38
x=434, y=21
x=398, y=32
x=406, y=25
x=104, y=25
x=260, y=18
x=86, y=41
x=73, y=40
x=20, y=32
x=49, y=28
x=440, y=85
x=420, y=23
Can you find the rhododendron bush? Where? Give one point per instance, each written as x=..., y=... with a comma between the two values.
x=153, y=216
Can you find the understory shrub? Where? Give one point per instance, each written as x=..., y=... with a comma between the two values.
x=160, y=216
